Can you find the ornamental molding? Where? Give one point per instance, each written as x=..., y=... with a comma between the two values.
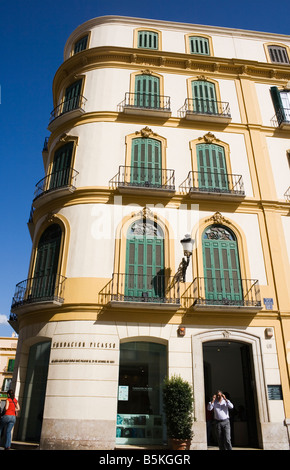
x=146, y=132
x=209, y=138
x=145, y=213
x=218, y=219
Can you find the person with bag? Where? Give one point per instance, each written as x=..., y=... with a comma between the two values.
x=7, y=420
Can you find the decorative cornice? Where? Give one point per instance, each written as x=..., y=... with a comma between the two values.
x=107, y=56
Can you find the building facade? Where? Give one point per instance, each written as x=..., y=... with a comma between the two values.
x=8, y=348
x=160, y=132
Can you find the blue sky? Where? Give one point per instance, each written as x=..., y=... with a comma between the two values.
x=33, y=34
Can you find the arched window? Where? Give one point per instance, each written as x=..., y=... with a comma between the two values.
x=45, y=277
x=204, y=98
x=147, y=91
x=211, y=165
x=144, y=275
x=61, y=169
x=222, y=277
x=146, y=162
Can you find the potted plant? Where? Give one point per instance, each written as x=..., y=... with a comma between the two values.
x=178, y=408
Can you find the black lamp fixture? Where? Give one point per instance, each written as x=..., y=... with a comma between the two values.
x=187, y=244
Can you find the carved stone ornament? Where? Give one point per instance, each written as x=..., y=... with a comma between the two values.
x=145, y=213
x=209, y=138
x=50, y=217
x=146, y=132
x=146, y=72
x=226, y=334
x=218, y=219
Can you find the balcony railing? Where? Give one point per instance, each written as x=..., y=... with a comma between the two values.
x=144, y=177
x=39, y=289
x=287, y=195
x=213, y=182
x=141, y=288
x=75, y=103
x=65, y=178
x=223, y=292
x=281, y=118
x=194, y=107
x=145, y=101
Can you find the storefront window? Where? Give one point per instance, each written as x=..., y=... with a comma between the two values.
x=140, y=419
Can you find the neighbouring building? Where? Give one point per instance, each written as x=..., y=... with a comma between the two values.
x=8, y=346
x=161, y=132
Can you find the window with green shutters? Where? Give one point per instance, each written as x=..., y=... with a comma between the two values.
x=278, y=54
x=81, y=44
x=212, y=171
x=147, y=91
x=46, y=264
x=199, y=45
x=204, y=97
x=72, y=97
x=61, y=169
x=147, y=40
x=146, y=166
x=281, y=102
x=144, y=261
x=221, y=265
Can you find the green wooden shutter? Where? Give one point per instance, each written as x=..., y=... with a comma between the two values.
x=146, y=162
x=199, y=45
x=81, y=45
x=144, y=262
x=46, y=265
x=212, y=171
x=147, y=92
x=147, y=40
x=221, y=266
x=277, y=102
x=72, y=97
x=204, y=97
x=61, y=169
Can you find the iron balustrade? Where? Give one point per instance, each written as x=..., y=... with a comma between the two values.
x=158, y=288
x=205, y=106
x=39, y=289
x=56, y=180
x=77, y=102
x=282, y=116
x=144, y=177
x=146, y=101
x=231, y=292
x=215, y=182
x=287, y=195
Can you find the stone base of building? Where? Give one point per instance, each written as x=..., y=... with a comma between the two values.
x=275, y=436
x=58, y=434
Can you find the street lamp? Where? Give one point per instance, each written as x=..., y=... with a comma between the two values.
x=187, y=244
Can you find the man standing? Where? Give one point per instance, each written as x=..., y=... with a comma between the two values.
x=221, y=407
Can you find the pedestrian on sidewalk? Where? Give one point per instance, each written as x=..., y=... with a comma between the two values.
x=7, y=421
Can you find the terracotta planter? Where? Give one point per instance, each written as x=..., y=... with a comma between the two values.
x=180, y=444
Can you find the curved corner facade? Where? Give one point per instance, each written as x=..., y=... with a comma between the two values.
x=159, y=130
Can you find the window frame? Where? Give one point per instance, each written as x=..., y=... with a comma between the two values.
x=148, y=30
x=201, y=36
x=279, y=46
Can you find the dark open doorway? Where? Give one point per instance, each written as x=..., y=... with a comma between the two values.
x=228, y=366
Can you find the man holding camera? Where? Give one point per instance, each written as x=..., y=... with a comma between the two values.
x=221, y=406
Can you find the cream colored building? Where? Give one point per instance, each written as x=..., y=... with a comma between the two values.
x=159, y=130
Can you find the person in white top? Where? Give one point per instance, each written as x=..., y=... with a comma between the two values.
x=221, y=406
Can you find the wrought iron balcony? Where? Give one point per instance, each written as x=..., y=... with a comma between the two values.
x=206, y=110
x=61, y=179
x=148, y=291
x=287, y=195
x=149, y=178
x=75, y=106
x=39, y=289
x=281, y=118
x=148, y=103
x=223, y=293
x=213, y=183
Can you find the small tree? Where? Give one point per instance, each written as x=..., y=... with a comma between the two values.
x=178, y=407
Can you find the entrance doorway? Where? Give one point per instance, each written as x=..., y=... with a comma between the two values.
x=143, y=367
x=228, y=366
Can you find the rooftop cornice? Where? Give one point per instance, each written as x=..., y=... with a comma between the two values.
x=164, y=61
